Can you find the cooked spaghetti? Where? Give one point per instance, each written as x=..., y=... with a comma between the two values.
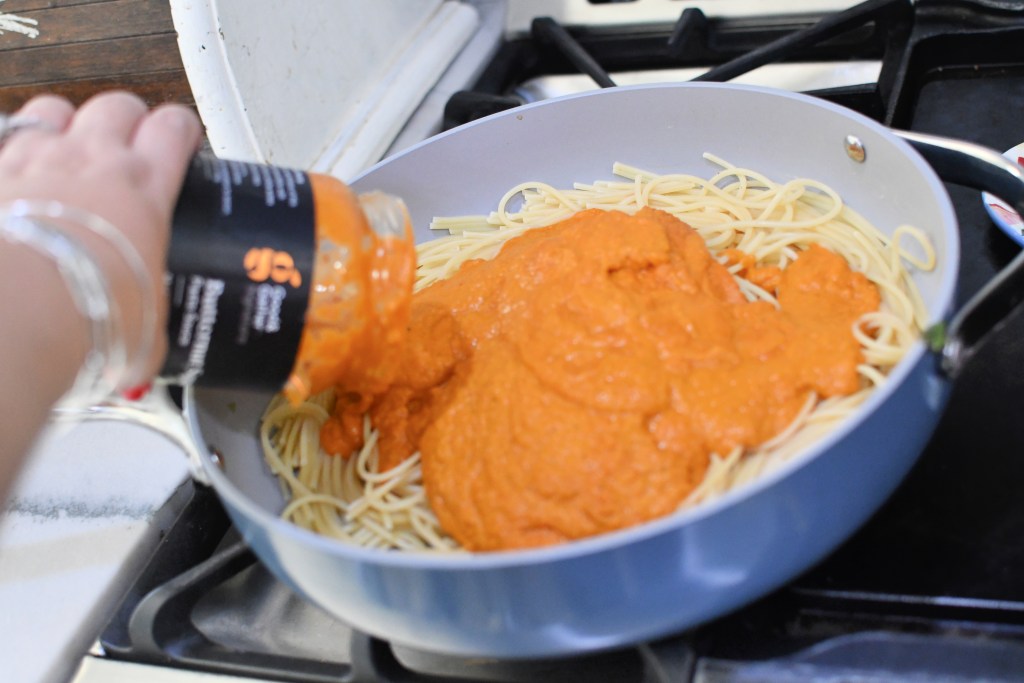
x=750, y=223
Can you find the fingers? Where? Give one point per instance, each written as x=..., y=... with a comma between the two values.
x=55, y=111
x=112, y=133
x=51, y=113
x=164, y=139
x=108, y=118
x=106, y=121
x=168, y=138
x=159, y=142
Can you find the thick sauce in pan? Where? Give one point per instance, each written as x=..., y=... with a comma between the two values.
x=578, y=382
x=359, y=300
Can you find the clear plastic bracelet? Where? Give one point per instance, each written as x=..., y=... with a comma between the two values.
x=85, y=250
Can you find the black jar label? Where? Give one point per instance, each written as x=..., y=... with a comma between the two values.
x=239, y=270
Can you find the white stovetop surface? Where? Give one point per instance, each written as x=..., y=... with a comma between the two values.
x=85, y=513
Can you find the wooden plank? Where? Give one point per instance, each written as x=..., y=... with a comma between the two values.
x=89, y=46
x=154, y=88
x=106, y=58
x=94, y=21
x=23, y=6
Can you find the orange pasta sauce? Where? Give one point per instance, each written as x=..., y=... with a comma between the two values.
x=578, y=382
x=359, y=302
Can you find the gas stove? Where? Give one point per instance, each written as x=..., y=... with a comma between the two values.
x=932, y=588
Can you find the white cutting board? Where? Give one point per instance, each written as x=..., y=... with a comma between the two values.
x=323, y=85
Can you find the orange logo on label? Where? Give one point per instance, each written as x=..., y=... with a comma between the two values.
x=263, y=264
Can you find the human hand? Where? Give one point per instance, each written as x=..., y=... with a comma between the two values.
x=120, y=161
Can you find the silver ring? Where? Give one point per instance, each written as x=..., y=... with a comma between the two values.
x=12, y=123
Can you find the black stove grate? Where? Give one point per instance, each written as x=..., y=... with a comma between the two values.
x=875, y=29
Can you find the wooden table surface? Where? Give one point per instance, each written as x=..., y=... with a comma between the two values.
x=87, y=46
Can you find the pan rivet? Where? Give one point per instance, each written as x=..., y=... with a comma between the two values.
x=216, y=458
x=855, y=149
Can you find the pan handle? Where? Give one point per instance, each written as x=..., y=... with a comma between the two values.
x=155, y=411
x=965, y=163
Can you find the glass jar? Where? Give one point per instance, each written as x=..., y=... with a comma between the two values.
x=279, y=278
